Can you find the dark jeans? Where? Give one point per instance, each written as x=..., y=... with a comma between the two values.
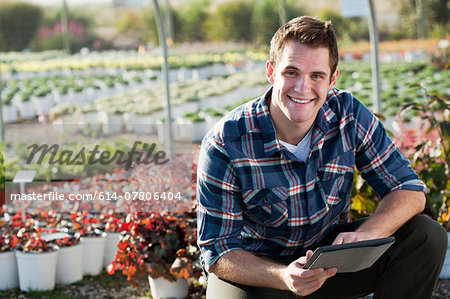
x=409, y=269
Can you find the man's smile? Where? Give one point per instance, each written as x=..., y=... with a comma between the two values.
x=300, y=100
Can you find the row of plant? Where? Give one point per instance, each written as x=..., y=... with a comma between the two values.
x=25, y=89
x=130, y=61
x=149, y=101
x=396, y=81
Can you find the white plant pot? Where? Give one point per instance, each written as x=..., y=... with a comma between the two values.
x=211, y=121
x=199, y=130
x=42, y=104
x=112, y=123
x=9, y=113
x=162, y=288
x=65, y=124
x=445, y=272
x=9, y=278
x=36, y=270
x=112, y=239
x=141, y=124
x=89, y=119
x=93, y=250
x=26, y=109
x=69, y=265
x=161, y=130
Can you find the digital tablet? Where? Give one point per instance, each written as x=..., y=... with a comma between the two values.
x=350, y=257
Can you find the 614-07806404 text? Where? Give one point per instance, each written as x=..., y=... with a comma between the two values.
x=97, y=195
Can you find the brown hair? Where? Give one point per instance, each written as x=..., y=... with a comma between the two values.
x=308, y=31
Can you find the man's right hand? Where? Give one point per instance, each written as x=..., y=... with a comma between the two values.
x=303, y=281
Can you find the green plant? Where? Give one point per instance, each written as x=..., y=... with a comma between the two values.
x=431, y=157
x=16, y=33
x=230, y=21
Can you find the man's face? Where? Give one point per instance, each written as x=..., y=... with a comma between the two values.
x=301, y=80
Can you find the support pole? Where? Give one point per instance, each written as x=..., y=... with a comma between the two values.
x=2, y=127
x=373, y=33
x=65, y=27
x=165, y=74
x=282, y=11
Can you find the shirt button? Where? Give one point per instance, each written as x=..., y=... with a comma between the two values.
x=308, y=177
x=265, y=200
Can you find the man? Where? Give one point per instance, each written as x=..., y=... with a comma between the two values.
x=274, y=182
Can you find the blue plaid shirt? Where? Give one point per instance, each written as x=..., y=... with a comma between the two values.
x=253, y=194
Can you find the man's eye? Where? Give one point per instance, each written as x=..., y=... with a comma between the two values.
x=291, y=74
x=316, y=76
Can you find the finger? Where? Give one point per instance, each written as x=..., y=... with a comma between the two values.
x=314, y=285
x=309, y=254
x=339, y=240
x=302, y=260
x=311, y=273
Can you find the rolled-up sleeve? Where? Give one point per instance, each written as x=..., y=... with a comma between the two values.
x=219, y=209
x=380, y=161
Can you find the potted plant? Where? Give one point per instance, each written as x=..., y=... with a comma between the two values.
x=93, y=241
x=36, y=260
x=25, y=106
x=69, y=264
x=199, y=126
x=9, y=111
x=89, y=116
x=8, y=276
x=63, y=117
x=110, y=115
x=113, y=222
x=162, y=247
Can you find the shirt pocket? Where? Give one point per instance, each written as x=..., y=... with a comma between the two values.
x=267, y=207
x=335, y=180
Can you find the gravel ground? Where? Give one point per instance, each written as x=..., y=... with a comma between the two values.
x=104, y=286
x=116, y=286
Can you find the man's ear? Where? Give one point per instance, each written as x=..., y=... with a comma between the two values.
x=333, y=79
x=269, y=72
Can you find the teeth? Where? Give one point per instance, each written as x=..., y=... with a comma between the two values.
x=300, y=101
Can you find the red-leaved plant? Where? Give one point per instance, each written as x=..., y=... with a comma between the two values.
x=158, y=245
x=27, y=239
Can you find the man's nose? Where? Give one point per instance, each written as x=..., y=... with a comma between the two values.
x=302, y=85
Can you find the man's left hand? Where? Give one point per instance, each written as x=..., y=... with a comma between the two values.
x=349, y=237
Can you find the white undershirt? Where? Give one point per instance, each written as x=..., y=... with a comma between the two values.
x=301, y=150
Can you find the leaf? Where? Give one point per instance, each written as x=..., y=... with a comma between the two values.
x=362, y=204
x=111, y=268
x=122, y=245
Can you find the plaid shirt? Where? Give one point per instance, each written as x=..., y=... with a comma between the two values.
x=255, y=195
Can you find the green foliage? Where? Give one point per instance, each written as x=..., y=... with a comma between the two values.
x=432, y=157
x=193, y=19
x=230, y=21
x=19, y=22
x=436, y=18
x=265, y=20
x=150, y=34
x=364, y=199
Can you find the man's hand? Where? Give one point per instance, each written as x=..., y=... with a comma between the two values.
x=349, y=237
x=302, y=281
x=394, y=210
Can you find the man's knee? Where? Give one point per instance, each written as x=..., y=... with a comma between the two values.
x=425, y=233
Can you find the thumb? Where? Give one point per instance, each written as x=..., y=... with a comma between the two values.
x=302, y=260
x=309, y=253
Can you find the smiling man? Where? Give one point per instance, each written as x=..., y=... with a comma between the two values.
x=274, y=183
